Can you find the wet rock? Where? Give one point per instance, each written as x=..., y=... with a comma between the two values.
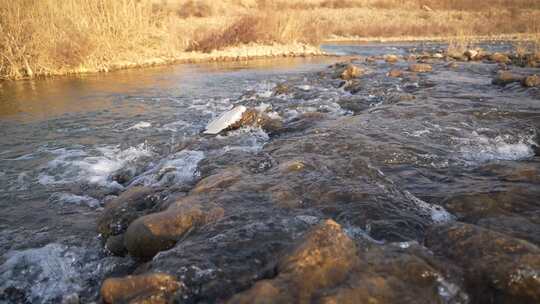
x=395, y=73
x=420, y=68
x=353, y=86
x=130, y=205
x=255, y=118
x=457, y=56
x=473, y=207
x=452, y=65
x=506, y=77
x=292, y=166
x=391, y=58
x=354, y=105
x=124, y=175
x=218, y=181
x=322, y=260
x=281, y=89
x=115, y=244
x=327, y=267
x=285, y=197
x=147, y=288
x=498, y=268
x=499, y=58
x=472, y=54
x=515, y=226
x=349, y=72
x=152, y=233
x=395, y=275
x=531, y=81
x=225, y=120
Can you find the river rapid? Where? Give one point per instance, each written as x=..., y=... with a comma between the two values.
x=420, y=188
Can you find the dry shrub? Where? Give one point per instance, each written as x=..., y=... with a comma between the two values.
x=263, y=28
x=46, y=36
x=194, y=8
x=337, y=4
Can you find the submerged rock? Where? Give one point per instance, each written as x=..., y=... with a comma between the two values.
x=420, y=68
x=146, y=288
x=498, y=268
x=506, y=77
x=130, y=205
x=218, y=181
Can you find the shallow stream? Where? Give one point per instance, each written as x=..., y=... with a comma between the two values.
x=386, y=160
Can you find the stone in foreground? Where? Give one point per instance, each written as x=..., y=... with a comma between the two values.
x=147, y=288
x=506, y=268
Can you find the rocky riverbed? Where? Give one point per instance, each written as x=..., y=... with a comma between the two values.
x=410, y=176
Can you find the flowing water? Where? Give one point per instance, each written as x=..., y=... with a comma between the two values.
x=386, y=160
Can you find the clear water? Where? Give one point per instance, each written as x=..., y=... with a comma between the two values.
x=63, y=142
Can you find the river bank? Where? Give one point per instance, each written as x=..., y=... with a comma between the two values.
x=238, y=53
x=43, y=38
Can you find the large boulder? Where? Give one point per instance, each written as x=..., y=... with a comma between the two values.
x=498, y=268
x=327, y=267
x=322, y=260
x=150, y=234
x=150, y=288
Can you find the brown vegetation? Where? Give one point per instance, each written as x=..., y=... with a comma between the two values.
x=56, y=37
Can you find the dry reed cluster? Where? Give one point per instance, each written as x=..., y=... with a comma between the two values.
x=55, y=37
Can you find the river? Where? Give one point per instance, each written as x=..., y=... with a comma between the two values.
x=387, y=160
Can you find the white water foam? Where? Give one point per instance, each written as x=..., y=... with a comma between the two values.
x=71, y=166
x=140, y=125
x=46, y=273
x=73, y=199
x=179, y=168
x=438, y=214
x=481, y=148
x=248, y=139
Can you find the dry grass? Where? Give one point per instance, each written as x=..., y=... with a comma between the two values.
x=264, y=28
x=55, y=37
